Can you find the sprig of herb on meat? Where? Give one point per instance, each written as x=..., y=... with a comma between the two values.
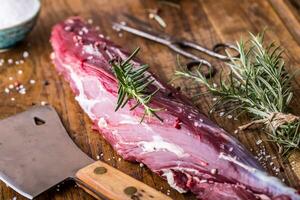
x=133, y=84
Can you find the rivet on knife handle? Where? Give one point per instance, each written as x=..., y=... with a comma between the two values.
x=114, y=184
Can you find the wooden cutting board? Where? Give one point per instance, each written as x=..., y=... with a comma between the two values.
x=207, y=22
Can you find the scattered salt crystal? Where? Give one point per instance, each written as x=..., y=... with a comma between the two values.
x=98, y=157
x=10, y=78
x=215, y=85
x=201, y=120
x=80, y=32
x=21, y=61
x=97, y=28
x=229, y=116
x=52, y=56
x=25, y=54
x=20, y=72
x=10, y=61
x=67, y=28
x=258, y=142
x=32, y=81
x=43, y=103
x=6, y=90
x=119, y=159
x=12, y=99
x=120, y=34
x=85, y=30
x=236, y=131
x=213, y=171
x=141, y=165
x=22, y=91
x=215, y=99
x=90, y=21
x=123, y=23
x=17, y=62
x=14, y=198
x=11, y=86
x=221, y=114
x=230, y=149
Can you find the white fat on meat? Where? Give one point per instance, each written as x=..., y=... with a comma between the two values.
x=158, y=144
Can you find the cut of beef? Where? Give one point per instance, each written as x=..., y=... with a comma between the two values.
x=187, y=149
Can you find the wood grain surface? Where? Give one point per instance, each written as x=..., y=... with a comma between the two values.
x=205, y=21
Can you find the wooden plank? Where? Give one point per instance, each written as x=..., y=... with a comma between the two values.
x=289, y=15
x=207, y=22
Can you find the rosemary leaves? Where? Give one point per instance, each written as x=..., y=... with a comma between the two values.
x=133, y=84
x=258, y=84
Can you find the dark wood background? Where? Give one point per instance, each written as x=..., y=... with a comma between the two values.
x=204, y=21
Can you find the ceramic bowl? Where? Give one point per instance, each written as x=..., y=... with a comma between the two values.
x=14, y=34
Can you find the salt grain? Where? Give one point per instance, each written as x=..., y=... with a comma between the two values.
x=141, y=165
x=20, y=72
x=32, y=81
x=10, y=78
x=90, y=21
x=213, y=171
x=12, y=99
x=258, y=142
x=11, y=86
x=221, y=114
x=25, y=54
x=10, y=61
x=43, y=103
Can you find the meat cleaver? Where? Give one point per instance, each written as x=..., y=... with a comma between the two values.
x=36, y=153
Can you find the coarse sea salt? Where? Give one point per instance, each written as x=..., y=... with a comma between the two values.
x=14, y=12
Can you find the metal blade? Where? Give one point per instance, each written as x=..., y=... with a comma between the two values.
x=36, y=152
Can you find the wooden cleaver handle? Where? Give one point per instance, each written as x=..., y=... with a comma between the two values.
x=105, y=182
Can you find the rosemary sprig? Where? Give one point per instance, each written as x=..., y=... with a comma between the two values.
x=133, y=84
x=258, y=84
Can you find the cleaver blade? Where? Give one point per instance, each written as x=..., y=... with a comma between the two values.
x=36, y=153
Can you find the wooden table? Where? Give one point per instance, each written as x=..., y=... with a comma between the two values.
x=205, y=21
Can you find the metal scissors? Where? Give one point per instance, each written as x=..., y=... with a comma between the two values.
x=179, y=47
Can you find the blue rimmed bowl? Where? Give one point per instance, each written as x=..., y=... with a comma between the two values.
x=12, y=35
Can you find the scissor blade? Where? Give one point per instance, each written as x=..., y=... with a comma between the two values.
x=143, y=34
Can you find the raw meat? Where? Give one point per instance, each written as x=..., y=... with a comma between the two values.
x=190, y=151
